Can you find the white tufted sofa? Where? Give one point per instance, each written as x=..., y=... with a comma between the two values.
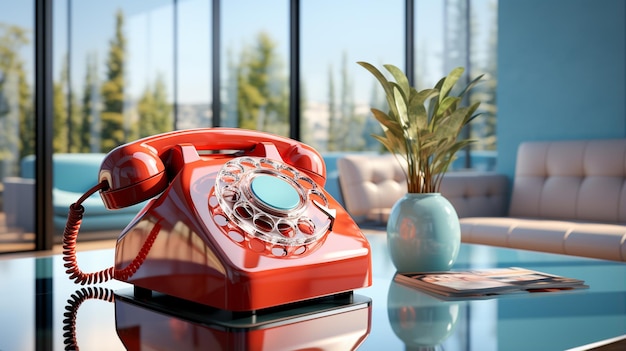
x=371, y=184
x=568, y=197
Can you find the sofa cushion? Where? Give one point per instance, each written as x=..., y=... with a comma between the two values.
x=76, y=172
x=371, y=185
x=476, y=193
x=586, y=239
x=572, y=180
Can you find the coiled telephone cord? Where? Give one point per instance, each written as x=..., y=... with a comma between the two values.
x=72, y=227
x=71, y=310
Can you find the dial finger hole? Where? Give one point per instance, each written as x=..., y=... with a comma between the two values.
x=306, y=226
x=279, y=251
x=286, y=229
x=287, y=172
x=306, y=182
x=220, y=220
x=230, y=194
x=243, y=211
x=267, y=163
x=300, y=250
x=318, y=196
x=236, y=236
x=229, y=177
x=213, y=201
x=232, y=167
x=248, y=162
x=264, y=223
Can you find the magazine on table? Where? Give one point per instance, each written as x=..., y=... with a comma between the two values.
x=488, y=282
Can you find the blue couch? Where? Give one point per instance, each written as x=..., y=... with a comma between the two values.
x=73, y=175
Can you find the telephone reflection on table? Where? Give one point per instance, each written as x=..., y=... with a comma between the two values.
x=237, y=220
x=337, y=322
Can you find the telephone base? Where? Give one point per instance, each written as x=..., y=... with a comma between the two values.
x=160, y=301
x=236, y=249
x=343, y=320
x=141, y=293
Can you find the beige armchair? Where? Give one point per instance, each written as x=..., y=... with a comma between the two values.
x=371, y=184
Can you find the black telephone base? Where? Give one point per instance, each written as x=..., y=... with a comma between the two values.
x=141, y=293
x=241, y=321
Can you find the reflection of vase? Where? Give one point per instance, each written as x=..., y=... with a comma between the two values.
x=422, y=322
x=423, y=233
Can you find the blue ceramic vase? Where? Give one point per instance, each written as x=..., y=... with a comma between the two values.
x=422, y=322
x=423, y=233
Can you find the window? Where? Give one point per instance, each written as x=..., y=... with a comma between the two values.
x=456, y=33
x=124, y=70
x=193, y=65
x=336, y=92
x=255, y=71
x=17, y=120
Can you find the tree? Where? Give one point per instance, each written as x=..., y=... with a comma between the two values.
x=334, y=125
x=372, y=127
x=26, y=114
x=249, y=98
x=262, y=90
x=16, y=108
x=88, y=110
x=345, y=125
x=59, y=113
x=353, y=122
x=112, y=91
x=155, y=113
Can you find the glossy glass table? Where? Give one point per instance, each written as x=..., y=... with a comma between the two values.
x=43, y=310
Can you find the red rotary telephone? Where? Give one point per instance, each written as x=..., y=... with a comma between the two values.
x=236, y=219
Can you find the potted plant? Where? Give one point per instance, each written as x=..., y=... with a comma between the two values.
x=422, y=129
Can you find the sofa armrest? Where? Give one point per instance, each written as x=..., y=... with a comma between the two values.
x=476, y=194
x=19, y=203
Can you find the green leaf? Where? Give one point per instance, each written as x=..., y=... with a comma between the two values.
x=417, y=114
x=387, y=122
x=400, y=78
x=450, y=81
x=426, y=94
x=470, y=112
x=401, y=105
x=423, y=127
x=448, y=104
x=470, y=85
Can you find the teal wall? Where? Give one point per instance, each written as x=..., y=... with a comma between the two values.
x=561, y=72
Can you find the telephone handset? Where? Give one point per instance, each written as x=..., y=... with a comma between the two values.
x=136, y=172
x=235, y=219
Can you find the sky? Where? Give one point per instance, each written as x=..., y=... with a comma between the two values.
x=362, y=30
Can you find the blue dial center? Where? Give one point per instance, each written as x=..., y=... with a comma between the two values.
x=275, y=192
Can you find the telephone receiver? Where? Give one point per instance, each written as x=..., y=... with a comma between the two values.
x=234, y=219
x=137, y=171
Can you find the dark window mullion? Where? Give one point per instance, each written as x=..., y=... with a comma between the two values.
x=294, y=70
x=216, y=103
x=43, y=125
x=409, y=35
